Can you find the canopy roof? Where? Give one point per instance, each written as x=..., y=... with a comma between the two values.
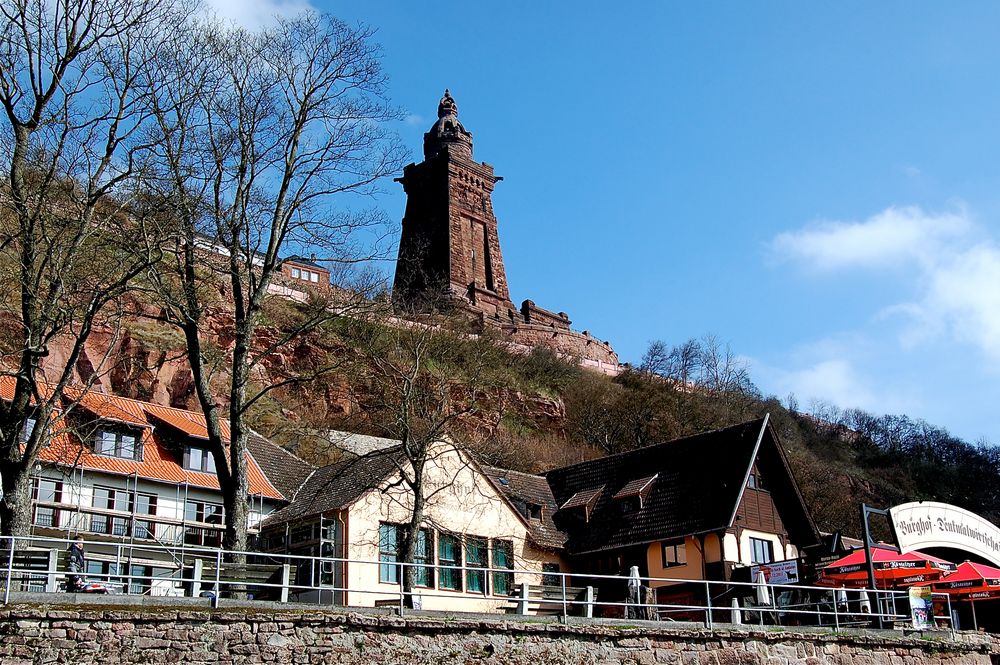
x=891, y=568
x=971, y=580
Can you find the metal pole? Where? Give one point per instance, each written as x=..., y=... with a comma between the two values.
x=708, y=604
x=402, y=585
x=951, y=617
x=218, y=576
x=975, y=624
x=562, y=578
x=10, y=569
x=869, y=565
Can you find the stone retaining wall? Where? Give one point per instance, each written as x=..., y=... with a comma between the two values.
x=34, y=634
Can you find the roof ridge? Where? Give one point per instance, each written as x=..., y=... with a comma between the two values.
x=636, y=451
x=490, y=467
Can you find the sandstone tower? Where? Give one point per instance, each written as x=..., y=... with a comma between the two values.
x=449, y=251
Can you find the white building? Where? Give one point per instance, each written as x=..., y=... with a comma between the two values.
x=140, y=477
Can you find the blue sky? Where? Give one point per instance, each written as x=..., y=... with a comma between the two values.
x=816, y=184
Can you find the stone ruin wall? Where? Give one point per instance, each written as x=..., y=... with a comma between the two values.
x=112, y=635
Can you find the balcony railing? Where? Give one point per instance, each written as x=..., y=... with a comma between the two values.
x=31, y=564
x=120, y=524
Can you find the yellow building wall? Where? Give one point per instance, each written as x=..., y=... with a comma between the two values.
x=461, y=501
x=696, y=558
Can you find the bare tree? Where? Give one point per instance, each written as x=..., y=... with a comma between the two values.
x=423, y=385
x=70, y=244
x=262, y=138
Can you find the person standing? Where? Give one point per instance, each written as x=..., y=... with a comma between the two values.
x=77, y=566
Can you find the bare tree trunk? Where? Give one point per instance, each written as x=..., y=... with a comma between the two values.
x=411, y=538
x=15, y=508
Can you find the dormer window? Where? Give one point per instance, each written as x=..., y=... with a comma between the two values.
x=118, y=443
x=632, y=497
x=755, y=482
x=198, y=459
x=585, y=500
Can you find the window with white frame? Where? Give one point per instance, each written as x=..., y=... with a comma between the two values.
x=761, y=550
x=674, y=553
x=207, y=513
x=122, y=501
x=45, y=490
x=305, y=275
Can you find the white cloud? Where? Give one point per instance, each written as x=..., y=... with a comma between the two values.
x=951, y=266
x=893, y=237
x=834, y=380
x=254, y=14
x=964, y=295
x=413, y=120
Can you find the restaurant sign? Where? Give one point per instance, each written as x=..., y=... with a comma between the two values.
x=924, y=524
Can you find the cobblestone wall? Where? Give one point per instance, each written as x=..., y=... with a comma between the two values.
x=115, y=635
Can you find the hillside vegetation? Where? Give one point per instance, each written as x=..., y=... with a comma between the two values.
x=533, y=412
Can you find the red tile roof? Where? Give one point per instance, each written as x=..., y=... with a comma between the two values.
x=158, y=462
x=190, y=423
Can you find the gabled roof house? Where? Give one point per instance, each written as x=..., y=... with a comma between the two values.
x=694, y=508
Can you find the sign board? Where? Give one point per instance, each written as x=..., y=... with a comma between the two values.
x=921, y=607
x=779, y=572
x=924, y=524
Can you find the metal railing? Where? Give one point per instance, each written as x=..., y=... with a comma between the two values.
x=33, y=564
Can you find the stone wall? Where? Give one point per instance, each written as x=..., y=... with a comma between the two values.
x=565, y=342
x=44, y=634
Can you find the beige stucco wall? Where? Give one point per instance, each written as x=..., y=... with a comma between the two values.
x=462, y=501
x=740, y=553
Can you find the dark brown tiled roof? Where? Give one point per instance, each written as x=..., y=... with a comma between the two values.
x=697, y=489
x=336, y=486
x=285, y=471
x=522, y=489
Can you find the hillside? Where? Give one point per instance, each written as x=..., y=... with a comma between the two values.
x=532, y=412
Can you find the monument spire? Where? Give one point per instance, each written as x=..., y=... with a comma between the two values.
x=447, y=133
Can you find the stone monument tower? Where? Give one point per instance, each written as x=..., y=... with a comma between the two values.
x=449, y=252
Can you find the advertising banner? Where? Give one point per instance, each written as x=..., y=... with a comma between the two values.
x=924, y=524
x=779, y=572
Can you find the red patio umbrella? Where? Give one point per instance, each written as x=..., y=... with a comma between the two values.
x=892, y=569
x=972, y=582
